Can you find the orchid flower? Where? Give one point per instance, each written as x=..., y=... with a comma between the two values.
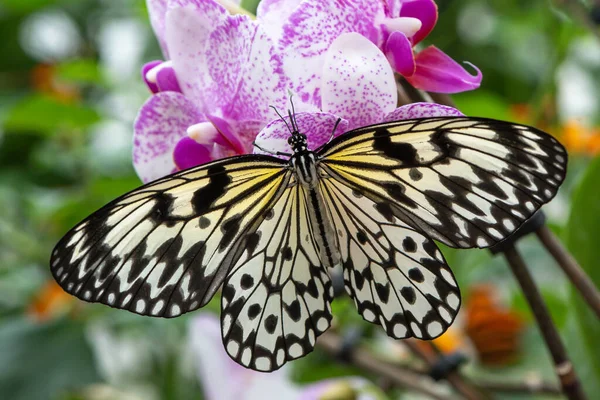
x=224, y=379
x=358, y=88
x=304, y=31
x=214, y=93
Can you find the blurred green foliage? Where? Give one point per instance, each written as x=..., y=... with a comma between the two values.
x=581, y=237
x=66, y=112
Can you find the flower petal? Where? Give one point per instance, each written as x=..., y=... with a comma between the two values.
x=424, y=10
x=167, y=81
x=398, y=50
x=224, y=379
x=273, y=14
x=421, y=110
x=358, y=82
x=145, y=69
x=188, y=153
x=231, y=71
x=316, y=126
x=437, y=72
x=160, y=124
x=310, y=31
x=157, y=10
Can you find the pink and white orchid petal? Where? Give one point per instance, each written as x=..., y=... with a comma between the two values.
x=224, y=379
x=164, y=76
x=437, y=72
x=232, y=71
x=147, y=68
x=407, y=25
x=423, y=10
x=203, y=133
x=273, y=14
x=358, y=82
x=310, y=31
x=316, y=126
x=421, y=110
x=188, y=153
x=398, y=50
x=237, y=135
x=161, y=123
x=157, y=10
x=211, y=8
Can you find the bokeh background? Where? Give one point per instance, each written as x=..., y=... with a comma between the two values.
x=70, y=88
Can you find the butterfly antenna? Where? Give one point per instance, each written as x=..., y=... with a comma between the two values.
x=283, y=119
x=293, y=116
x=293, y=122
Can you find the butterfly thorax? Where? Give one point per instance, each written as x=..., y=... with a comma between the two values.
x=304, y=164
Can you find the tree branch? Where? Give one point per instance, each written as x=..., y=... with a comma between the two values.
x=332, y=344
x=565, y=371
x=453, y=378
x=571, y=268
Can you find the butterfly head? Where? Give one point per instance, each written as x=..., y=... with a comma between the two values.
x=297, y=141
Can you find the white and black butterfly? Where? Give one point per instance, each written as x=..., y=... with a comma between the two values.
x=267, y=230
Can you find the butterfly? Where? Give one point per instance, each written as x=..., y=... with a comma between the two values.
x=373, y=200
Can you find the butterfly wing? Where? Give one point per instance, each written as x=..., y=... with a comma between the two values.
x=276, y=299
x=165, y=248
x=396, y=276
x=467, y=182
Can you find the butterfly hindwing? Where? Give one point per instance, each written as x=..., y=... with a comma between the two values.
x=466, y=182
x=165, y=248
x=276, y=299
x=396, y=276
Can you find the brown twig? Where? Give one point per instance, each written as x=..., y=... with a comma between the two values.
x=332, y=343
x=564, y=369
x=569, y=265
x=454, y=378
x=520, y=387
x=528, y=386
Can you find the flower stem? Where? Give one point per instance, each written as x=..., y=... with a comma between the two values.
x=564, y=369
x=574, y=272
x=453, y=378
x=362, y=358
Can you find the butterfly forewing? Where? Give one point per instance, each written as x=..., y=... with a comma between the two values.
x=466, y=182
x=165, y=248
x=276, y=299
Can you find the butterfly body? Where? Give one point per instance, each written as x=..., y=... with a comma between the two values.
x=267, y=230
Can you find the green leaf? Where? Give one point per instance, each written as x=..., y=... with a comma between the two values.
x=581, y=237
x=45, y=114
x=39, y=361
x=81, y=71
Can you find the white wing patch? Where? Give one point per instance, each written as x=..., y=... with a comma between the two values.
x=276, y=299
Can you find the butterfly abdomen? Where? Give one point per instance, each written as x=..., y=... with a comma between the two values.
x=305, y=167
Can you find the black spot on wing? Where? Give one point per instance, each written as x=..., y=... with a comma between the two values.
x=204, y=197
x=254, y=310
x=403, y=152
x=230, y=229
x=247, y=281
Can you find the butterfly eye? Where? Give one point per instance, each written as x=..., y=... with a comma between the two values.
x=291, y=140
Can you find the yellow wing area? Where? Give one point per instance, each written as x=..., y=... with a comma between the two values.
x=165, y=248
